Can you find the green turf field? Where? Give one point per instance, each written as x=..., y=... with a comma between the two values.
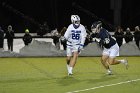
x=49, y=75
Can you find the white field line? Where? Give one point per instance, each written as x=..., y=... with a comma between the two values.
x=104, y=86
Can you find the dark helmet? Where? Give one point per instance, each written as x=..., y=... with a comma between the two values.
x=95, y=24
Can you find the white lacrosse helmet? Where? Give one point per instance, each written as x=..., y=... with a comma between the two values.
x=75, y=19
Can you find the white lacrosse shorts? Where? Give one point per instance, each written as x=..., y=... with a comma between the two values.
x=112, y=51
x=71, y=49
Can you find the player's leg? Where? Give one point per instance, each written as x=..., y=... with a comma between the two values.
x=69, y=56
x=114, y=51
x=104, y=59
x=68, y=62
x=113, y=61
x=73, y=61
x=74, y=58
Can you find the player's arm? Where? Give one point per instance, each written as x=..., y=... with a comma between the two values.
x=95, y=37
x=83, y=36
x=66, y=35
x=106, y=37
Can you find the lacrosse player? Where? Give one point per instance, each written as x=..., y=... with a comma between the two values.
x=110, y=47
x=75, y=36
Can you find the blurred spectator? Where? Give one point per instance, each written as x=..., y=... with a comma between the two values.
x=119, y=35
x=56, y=37
x=87, y=30
x=27, y=38
x=128, y=35
x=88, y=37
x=10, y=37
x=1, y=38
x=43, y=29
x=62, y=32
x=137, y=36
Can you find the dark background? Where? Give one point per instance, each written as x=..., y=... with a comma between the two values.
x=22, y=14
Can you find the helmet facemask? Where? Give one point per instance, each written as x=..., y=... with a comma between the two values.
x=95, y=28
x=75, y=19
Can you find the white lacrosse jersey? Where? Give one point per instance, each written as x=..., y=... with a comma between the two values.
x=75, y=36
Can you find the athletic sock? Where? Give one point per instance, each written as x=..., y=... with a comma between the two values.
x=70, y=69
x=108, y=70
x=121, y=61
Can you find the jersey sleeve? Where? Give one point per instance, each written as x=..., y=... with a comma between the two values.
x=105, y=34
x=66, y=35
x=83, y=35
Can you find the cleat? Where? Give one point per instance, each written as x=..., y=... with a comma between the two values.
x=109, y=73
x=126, y=63
x=70, y=74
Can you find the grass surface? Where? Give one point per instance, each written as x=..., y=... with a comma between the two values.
x=49, y=75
